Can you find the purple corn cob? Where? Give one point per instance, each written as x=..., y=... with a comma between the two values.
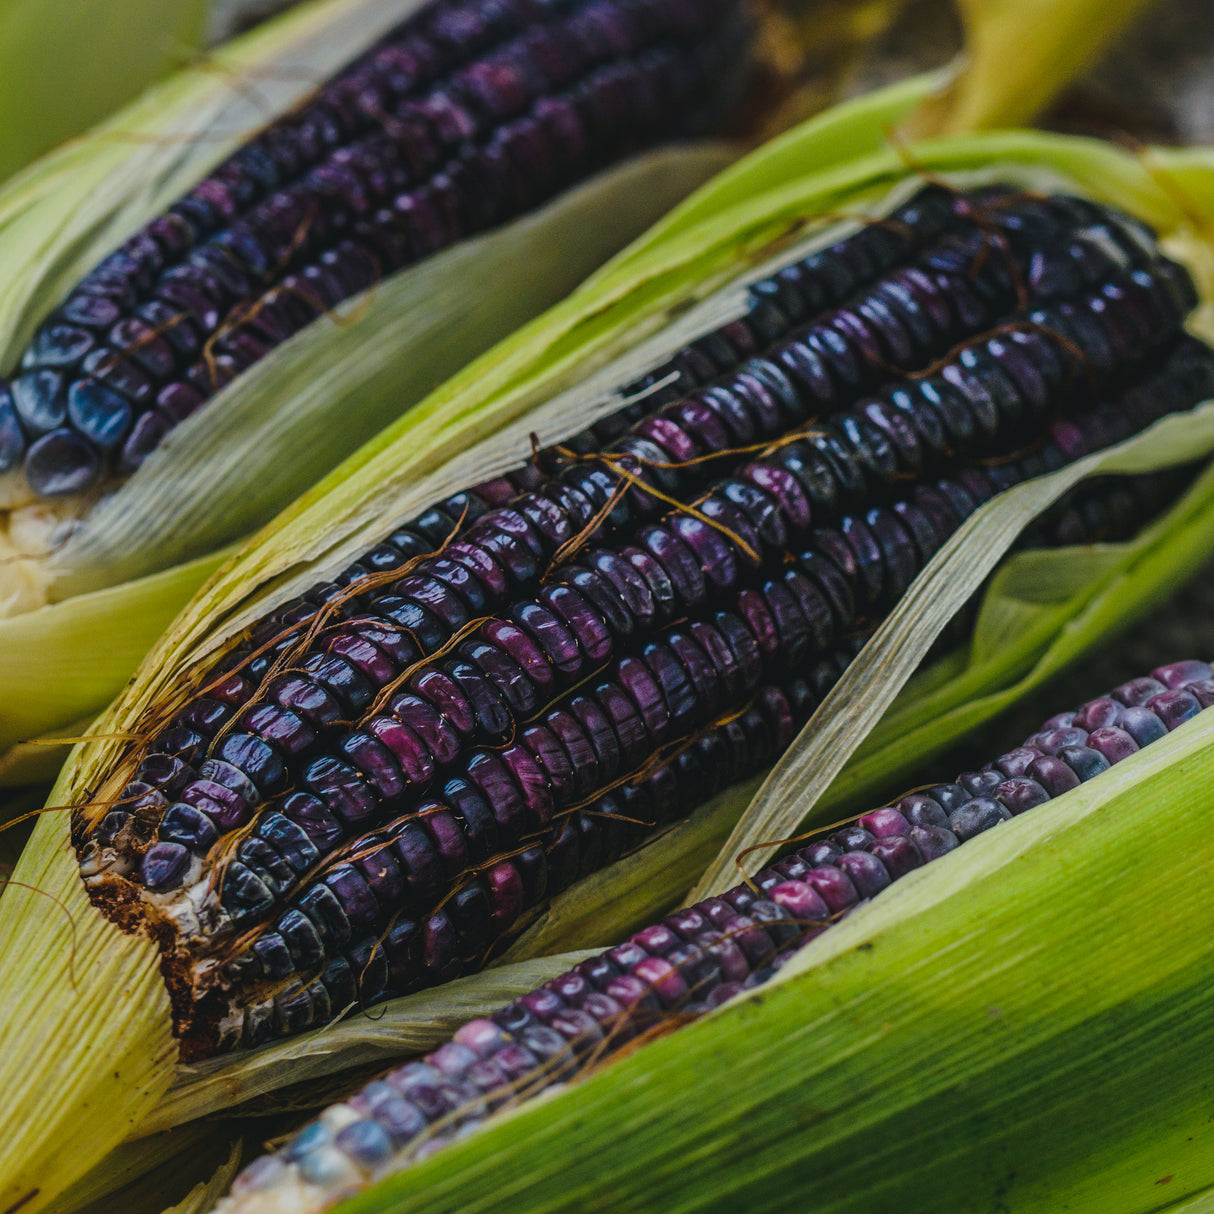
x=469, y=113
x=698, y=957
x=376, y=787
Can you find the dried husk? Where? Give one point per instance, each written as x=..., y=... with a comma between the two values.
x=837, y=164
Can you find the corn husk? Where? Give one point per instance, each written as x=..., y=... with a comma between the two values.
x=1019, y=54
x=543, y=380
x=66, y=65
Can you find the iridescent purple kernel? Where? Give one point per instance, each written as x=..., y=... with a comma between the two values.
x=921, y=810
x=1137, y=691
x=1051, y=741
x=933, y=842
x=979, y=783
x=898, y=854
x=1112, y=742
x=1016, y=762
x=882, y=823
x=1053, y=775
x=867, y=873
x=980, y=814
x=1020, y=793
x=1173, y=708
x=1098, y=714
x=801, y=900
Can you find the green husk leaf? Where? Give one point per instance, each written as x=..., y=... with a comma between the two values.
x=99, y=639
x=66, y=65
x=907, y=1060
x=129, y=1163
x=1018, y=55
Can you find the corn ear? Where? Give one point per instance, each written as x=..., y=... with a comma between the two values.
x=410, y=1025
x=837, y=164
x=905, y=1061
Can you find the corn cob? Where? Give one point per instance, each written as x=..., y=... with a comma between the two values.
x=465, y=115
x=366, y=803
x=698, y=957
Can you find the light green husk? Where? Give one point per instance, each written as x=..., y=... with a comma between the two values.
x=66, y=64
x=835, y=165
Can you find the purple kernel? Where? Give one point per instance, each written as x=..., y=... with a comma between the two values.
x=1051, y=741
x=1137, y=691
x=663, y=979
x=1114, y=743
x=1021, y=793
x=1142, y=725
x=868, y=874
x=1097, y=714
x=1016, y=762
x=979, y=783
x=835, y=885
x=164, y=865
x=898, y=854
x=1053, y=775
x=367, y=1143
x=1174, y=708
x=933, y=841
x=1085, y=762
x=882, y=823
x=801, y=901
x=1178, y=675
x=921, y=810
x=980, y=814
